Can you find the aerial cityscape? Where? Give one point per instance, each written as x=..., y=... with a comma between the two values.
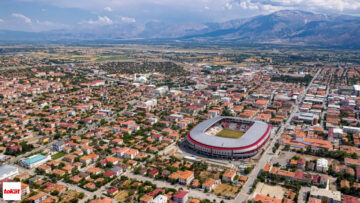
x=261, y=105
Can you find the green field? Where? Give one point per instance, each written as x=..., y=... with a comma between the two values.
x=57, y=155
x=234, y=134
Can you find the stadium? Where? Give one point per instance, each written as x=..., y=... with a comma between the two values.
x=228, y=137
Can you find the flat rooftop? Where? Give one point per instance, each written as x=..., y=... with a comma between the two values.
x=34, y=159
x=5, y=169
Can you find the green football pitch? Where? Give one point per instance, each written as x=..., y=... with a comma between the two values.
x=227, y=133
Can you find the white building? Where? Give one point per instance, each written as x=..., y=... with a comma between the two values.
x=322, y=165
x=225, y=99
x=160, y=199
x=308, y=118
x=327, y=196
x=161, y=90
x=34, y=161
x=350, y=129
x=338, y=132
x=357, y=90
x=7, y=171
x=214, y=113
x=151, y=102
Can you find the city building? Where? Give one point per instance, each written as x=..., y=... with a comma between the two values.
x=7, y=171
x=322, y=165
x=159, y=199
x=34, y=161
x=325, y=195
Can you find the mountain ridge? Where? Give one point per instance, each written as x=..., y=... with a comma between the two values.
x=281, y=27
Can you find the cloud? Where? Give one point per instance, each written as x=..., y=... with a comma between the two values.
x=248, y=4
x=102, y=20
x=22, y=17
x=186, y=4
x=1, y=20
x=189, y=10
x=46, y=23
x=128, y=20
x=228, y=6
x=335, y=5
x=108, y=9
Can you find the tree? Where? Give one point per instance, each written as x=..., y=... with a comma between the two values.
x=247, y=170
x=226, y=112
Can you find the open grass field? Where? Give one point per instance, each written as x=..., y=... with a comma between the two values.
x=57, y=155
x=227, y=133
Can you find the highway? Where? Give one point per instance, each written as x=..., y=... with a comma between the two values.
x=243, y=195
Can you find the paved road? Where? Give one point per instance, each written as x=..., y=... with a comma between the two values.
x=268, y=155
x=192, y=192
x=303, y=194
x=322, y=123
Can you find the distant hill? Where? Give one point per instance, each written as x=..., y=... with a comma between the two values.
x=294, y=27
x=282, y=27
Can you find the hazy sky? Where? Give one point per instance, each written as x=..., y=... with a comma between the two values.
x=39, y=15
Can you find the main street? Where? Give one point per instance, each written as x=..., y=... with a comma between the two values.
x=268, y=155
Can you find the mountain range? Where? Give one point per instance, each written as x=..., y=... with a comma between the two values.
x=292, y=27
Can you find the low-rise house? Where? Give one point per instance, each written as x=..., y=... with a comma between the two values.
x=112, y=191
x=130, y=154
x=44, y=168
x=109, y=174
x=185, y=177
x=301, y=163
x=350, y=199
x=94, y=170
x=209, y=184
x=120, y=151
x=117, y=170
x=85, y=160
x=69, y=158
x=266, y=199
x=350, y=162
x=58, y=172
x=153, y=172
x=155, y=192
x=38, y=197
x=229, y=175
x=146, y=199
x=117, y=141
x=102, y=200
x=344, y=184
x=181, y=196
x=90, y=186
x=157, y=137
x=55, y=187
x=25, y=189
